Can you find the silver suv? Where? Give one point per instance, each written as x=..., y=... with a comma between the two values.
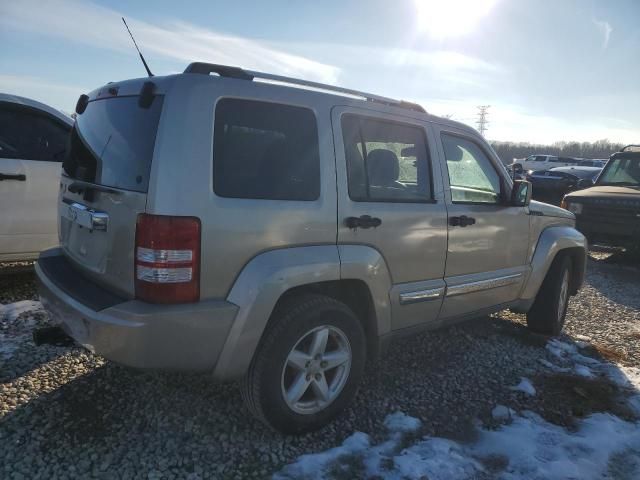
x=282, y=232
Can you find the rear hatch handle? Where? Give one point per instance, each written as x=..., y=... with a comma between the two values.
x=79, y=186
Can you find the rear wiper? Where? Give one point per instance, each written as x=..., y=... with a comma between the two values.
x=79, y=186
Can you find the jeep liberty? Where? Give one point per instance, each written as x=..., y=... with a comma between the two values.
x=282, y=232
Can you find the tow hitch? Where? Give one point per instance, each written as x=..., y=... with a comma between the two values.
x=52, y=336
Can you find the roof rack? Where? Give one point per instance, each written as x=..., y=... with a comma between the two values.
x=632, y=147
x=236, y=72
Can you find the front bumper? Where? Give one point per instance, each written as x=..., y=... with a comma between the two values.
x=134, y=333
x=610, y=233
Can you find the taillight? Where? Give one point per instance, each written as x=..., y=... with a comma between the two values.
x=563, y=204
x=167, y=259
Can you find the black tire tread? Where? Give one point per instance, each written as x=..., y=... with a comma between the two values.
x=541, y=318
x=281, y=318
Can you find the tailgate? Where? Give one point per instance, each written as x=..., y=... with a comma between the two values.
x=98, y=235
x=104, y=187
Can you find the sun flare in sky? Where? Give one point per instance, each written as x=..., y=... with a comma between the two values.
x=451, y=18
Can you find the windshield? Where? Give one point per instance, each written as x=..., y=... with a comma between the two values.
x=621, y=171
x=112, y=143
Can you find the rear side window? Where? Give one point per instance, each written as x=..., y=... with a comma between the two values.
x=386, y=161
x=27, y=134
x=112, y=143
x=266, y=151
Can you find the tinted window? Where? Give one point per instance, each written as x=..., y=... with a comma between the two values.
x=27, y=134
x=386, y=161
x=621, y=171
x=540, y=158
x=112, y=143
x=472, y=176
x=265, y=150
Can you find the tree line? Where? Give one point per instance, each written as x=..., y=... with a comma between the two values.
x=507, y=151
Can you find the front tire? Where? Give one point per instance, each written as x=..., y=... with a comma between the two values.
x=308, y=365
x=549, y=310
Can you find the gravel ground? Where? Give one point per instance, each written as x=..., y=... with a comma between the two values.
x=65, y=413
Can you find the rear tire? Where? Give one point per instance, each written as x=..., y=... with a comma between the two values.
x=292, y=385
x=549, y=310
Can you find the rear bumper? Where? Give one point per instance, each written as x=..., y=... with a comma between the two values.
x=135, y=333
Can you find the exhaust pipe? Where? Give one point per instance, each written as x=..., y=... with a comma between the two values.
x=52, y=336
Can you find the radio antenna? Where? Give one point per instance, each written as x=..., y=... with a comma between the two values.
x=146, y=67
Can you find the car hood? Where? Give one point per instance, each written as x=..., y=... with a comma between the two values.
x=540, y=208
x=606, y=191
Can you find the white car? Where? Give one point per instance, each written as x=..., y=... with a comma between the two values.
x=33, y=140
x=545, y=162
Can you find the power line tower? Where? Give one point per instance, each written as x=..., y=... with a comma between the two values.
x=482, y=122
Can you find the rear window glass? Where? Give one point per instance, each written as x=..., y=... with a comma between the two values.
x=112, y=143
x=265, y=150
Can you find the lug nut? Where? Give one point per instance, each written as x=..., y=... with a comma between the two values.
x=318, y=376
x=323, y=364
x=308, y=376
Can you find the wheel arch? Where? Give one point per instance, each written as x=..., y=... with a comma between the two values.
x=554, y=241
x=356, y=276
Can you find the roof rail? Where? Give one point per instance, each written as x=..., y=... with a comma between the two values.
x=236, y=72
x=634, y=147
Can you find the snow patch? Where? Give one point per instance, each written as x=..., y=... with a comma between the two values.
x=525, y=386
x=528, y=448
x=583, y=371
x=12, y=311
x=399, y=422
x=501, y=413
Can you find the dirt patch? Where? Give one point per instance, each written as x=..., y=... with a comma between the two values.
x=566, y=398
x=608, y=353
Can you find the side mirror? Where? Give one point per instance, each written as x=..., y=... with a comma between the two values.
x=521, y=193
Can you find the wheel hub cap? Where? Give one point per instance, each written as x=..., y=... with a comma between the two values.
x=316, y=370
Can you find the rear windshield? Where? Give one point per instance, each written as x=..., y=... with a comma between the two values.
x=112, y=143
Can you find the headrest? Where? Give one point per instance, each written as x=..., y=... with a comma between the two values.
x=383, y=167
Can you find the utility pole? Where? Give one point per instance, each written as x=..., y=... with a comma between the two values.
x=482, y=121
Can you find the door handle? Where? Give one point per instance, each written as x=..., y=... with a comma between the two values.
x=21, y=177
x=461, y=221
x=364, y=221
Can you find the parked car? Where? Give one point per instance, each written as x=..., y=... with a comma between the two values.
x=283, y=235
x=545, y=162
x=33, y=139
x=592, y=162
x=559, y=181
x=609, y=212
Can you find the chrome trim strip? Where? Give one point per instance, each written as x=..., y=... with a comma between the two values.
x=482, y=285
x=421, y=296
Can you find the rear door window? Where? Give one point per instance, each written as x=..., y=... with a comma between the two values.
x=28, y=134
x=112, y=143
x=265, y=151
x=386, y=161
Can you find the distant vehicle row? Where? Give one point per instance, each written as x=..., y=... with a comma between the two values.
x=547, y=162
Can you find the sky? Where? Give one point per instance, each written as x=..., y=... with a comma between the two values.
x=552, y=70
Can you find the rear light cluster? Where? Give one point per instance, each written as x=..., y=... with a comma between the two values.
x=167, y=261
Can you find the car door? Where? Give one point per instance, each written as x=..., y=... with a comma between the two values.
x=488, y=239
x=390, y=199
x=32, y=147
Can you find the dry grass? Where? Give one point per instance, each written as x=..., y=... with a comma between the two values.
x=566, y=397
x=609, y=353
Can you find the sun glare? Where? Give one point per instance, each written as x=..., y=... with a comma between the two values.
x=451, y=18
